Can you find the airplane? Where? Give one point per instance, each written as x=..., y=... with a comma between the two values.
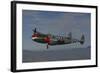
x=55, y=40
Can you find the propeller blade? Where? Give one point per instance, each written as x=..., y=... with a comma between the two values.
x=34, y=30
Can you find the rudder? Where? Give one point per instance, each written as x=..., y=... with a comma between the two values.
x=82, y=39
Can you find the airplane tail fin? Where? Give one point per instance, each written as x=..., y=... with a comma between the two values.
x=82, y=39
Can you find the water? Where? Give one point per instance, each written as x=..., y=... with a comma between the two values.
x=57, y=55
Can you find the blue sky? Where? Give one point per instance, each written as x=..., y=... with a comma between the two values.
x=56, y=23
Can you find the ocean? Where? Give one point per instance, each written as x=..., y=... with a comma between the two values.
x=56, y=55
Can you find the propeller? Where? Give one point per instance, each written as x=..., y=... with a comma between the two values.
x=34, y=30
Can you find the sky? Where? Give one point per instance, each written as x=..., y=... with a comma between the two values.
x=55, y=23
